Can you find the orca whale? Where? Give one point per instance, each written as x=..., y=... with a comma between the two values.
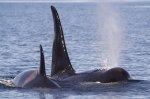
x=62, y=70
x=35, y=78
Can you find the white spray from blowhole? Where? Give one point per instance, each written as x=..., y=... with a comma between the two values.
x=110, y=29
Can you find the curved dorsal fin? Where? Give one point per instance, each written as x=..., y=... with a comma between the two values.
x=60, y=59
x=42, y=62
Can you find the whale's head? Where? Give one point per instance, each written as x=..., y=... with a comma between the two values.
x=116, y=74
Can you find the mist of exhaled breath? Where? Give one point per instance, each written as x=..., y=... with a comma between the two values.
x=110, y=29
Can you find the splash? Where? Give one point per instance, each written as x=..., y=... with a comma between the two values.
x=111, y=34
x=5, y=83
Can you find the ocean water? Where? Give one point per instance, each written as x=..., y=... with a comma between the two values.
x=24, y=26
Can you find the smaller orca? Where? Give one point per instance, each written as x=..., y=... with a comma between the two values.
x=35, y=78
x=62, y=69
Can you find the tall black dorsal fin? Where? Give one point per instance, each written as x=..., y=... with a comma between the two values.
x=42, y=62
x=60, y=59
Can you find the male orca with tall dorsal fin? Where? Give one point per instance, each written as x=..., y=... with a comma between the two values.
x=35, y=78
x=62, y=69
x=61, y=64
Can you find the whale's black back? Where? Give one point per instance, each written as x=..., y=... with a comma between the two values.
x=60, y=59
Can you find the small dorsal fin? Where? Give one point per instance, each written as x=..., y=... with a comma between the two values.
x=42, y=62
x=60, y=58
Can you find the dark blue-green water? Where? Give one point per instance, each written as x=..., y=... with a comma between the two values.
x=23, y=27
